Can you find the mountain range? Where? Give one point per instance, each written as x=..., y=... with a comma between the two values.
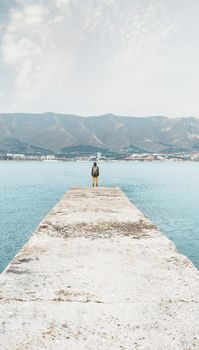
x=58, y=133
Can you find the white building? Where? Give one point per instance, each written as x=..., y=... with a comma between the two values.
x=99, y=155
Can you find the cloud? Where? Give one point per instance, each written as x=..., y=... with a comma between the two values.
x=27, y=43
x=65, y=50
x=19, y=41
x=130, y=31
x=62, y=3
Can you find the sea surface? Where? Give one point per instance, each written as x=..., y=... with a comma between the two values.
x=167, y=192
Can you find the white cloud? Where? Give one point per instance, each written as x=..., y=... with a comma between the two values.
x=27, y=41
x=62, y=3
x=83, y=56
x=34, y=14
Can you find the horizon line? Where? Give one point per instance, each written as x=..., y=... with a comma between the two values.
x=98, y=115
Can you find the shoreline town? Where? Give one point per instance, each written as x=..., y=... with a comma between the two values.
x=100, y=157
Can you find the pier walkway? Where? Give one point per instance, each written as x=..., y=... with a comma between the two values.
x=96, y=274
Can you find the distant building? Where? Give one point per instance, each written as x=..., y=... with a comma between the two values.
x=99, y=155
x=50, y=157
x=16, y=156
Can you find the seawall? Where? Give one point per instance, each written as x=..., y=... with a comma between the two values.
x=96, y=274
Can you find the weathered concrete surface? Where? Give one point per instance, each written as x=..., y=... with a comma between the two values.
x=96, y=274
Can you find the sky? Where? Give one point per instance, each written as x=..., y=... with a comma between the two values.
x=92, y=57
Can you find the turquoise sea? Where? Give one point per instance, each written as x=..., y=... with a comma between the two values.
x=167, y=192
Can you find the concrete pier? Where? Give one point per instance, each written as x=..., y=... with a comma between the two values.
x=96, y=274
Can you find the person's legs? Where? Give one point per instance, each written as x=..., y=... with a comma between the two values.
x=95, y=181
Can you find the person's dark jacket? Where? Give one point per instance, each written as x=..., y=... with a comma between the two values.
x=96, y=174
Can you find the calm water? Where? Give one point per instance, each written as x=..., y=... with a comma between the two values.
x=168, y=193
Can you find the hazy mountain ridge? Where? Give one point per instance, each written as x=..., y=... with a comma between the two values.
x=51, y=132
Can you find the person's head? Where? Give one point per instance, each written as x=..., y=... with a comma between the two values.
x=95, y=164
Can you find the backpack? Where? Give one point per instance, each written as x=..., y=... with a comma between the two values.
x=95, y=171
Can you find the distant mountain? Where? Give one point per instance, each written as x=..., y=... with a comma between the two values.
x=53, y=133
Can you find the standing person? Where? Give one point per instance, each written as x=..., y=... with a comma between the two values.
x=95, y=174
